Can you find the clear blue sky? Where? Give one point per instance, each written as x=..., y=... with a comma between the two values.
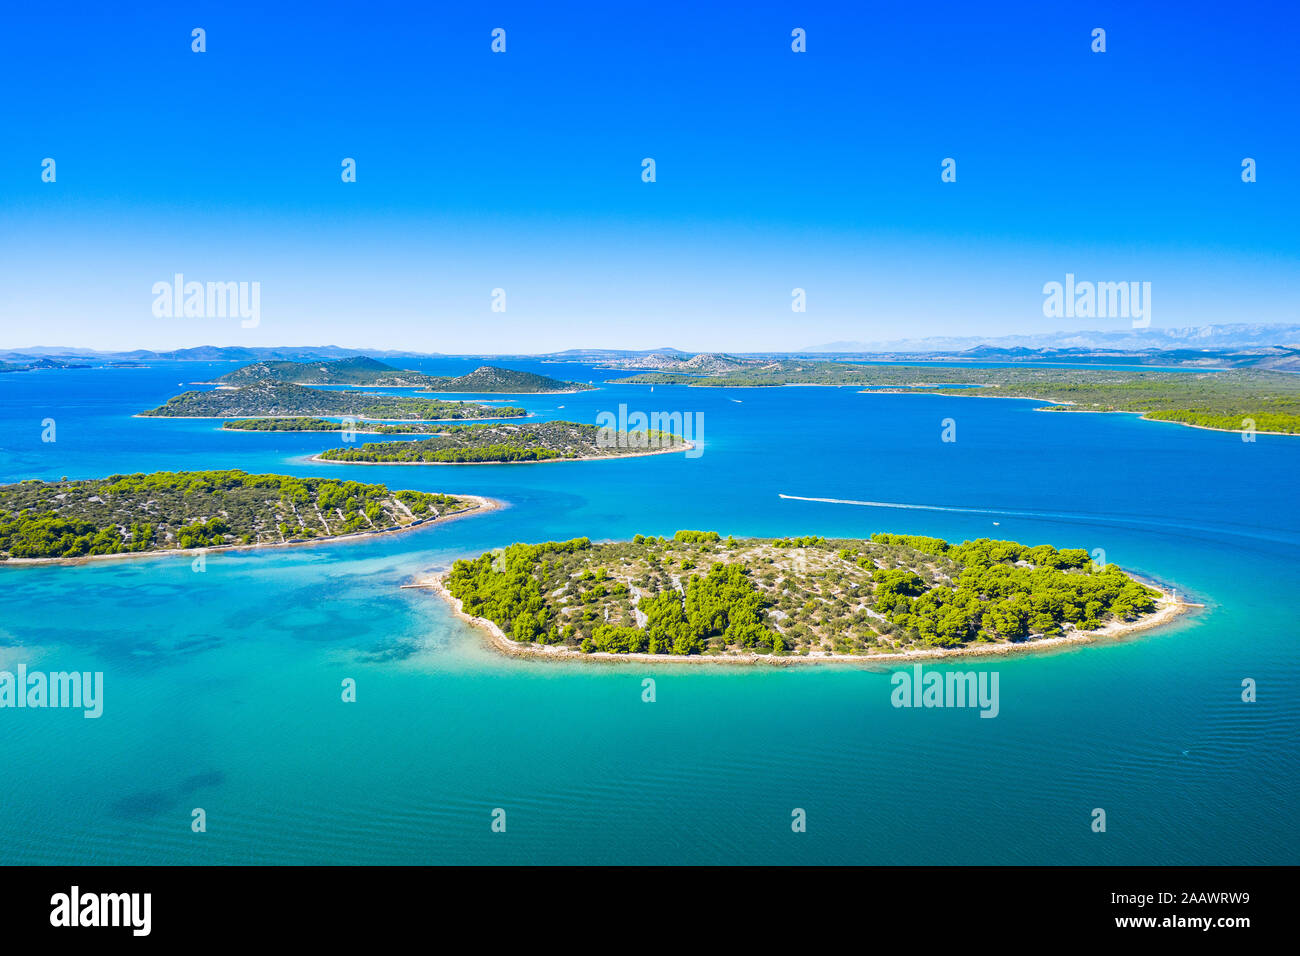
x=523, y=171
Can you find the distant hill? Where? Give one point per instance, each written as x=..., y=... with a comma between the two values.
x=606, y=355
x=32, y=366
x=356, y=370
x=714, y=362
x=359, y=370
x=708, y=363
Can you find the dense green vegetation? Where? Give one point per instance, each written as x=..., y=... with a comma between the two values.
x=698, y=593
x=276, y=400
x=198, y=509
x=487, y=443
x=1283, y=422
x=360, y=370
x=1213, y=399
x=1001, y=588
x=325, y=425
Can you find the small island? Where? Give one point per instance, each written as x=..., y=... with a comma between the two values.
x=361, y=371
x=699, y=596
x=168, y=512
x=279, y=400
x=356, y=427
x=510, y=444
x=37, y=365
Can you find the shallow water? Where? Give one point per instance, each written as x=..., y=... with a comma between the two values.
x=223, y=687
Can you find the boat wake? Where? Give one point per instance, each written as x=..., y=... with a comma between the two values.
x=1082, y=518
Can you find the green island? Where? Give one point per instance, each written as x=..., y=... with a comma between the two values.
x=360, y=370
x=37, y=365
x=325, y=425
x=131, y=514
x=700, y=594
x=1229, y=400
x=280, y=400
x=504, y=443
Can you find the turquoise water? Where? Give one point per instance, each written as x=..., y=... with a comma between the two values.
x=223, y=687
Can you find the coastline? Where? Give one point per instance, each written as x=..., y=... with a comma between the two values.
x=397, y=421
x=310, y=431
x=1165, y=613
x=430, y=391
x=1060, y=405
x=1060, y=408
x=483, y=506
x=545, y=461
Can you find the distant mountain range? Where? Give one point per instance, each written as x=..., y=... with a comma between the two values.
x=295, y=353
x=1233, y=335
x=205, y=353
x=1203, y=342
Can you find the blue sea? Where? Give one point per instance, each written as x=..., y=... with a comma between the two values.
x=223, y=688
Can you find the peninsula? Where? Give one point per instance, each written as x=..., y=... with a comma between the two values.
x=276, y=400
x=1227, y=400
x=699, y=595
x=185, y=510
x=510, y=443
